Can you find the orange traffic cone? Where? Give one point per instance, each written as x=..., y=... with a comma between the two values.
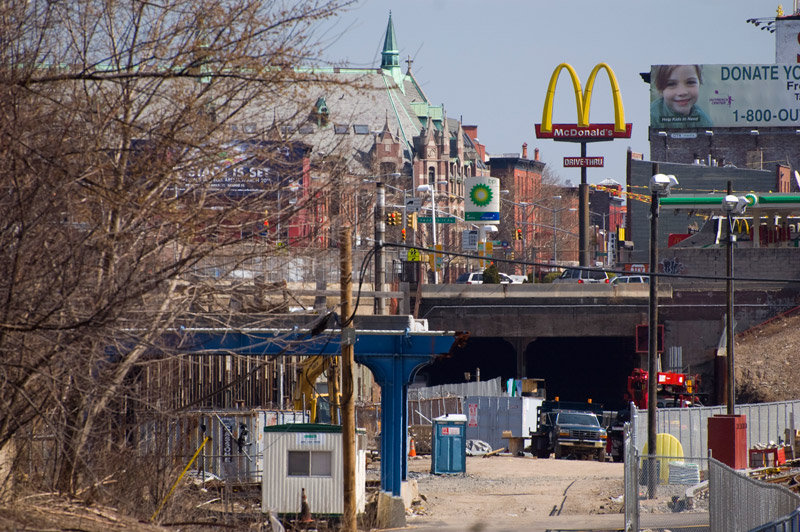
x=412, y=451
x=305, y=509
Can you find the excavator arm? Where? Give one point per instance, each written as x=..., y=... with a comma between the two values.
x=305, y=396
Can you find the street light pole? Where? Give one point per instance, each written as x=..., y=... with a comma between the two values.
x=660, y=185
x=730, y=205
x=555, y=244
x=380, y=261
x=432, y=190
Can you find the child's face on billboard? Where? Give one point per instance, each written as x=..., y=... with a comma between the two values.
x=682, y=89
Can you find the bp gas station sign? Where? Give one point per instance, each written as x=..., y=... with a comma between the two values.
x=482, y=202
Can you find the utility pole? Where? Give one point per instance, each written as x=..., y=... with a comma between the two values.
x=349, y=523
x=380, y=261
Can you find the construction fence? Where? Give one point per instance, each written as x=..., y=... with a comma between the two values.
x=766, y=422
x=738, y=503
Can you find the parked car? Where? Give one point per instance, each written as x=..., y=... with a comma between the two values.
x=627, y=279
x=477, y=278
x=574, y=275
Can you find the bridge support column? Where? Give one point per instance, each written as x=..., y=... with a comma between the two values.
x=520, y=345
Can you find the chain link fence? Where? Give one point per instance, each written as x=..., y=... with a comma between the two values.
x=739, y=503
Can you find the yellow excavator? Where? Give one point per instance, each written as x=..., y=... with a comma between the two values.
x=309, y=394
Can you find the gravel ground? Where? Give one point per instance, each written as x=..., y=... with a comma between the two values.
x=512, y=491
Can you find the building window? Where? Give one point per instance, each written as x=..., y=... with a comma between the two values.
x=340, y=129
x=431, y=175
x=310, y=463
x=361, y=129
x=306, y=130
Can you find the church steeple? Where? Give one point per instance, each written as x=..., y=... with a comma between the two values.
x=390, y=56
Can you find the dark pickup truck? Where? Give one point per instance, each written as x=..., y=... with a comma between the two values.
x=567, y=428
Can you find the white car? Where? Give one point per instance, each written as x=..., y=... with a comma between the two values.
x=477, y=278
x=575, y=275
x=626, y=279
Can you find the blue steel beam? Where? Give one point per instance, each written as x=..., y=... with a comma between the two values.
x=394, y=357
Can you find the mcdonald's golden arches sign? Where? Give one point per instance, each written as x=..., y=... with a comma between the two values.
x=582, y=130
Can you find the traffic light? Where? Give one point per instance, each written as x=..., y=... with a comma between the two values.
x=412, y=221
x=518, y=234
x=403, y=234
x=391, y=218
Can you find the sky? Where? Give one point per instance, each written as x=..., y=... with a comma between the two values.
x=490, y=61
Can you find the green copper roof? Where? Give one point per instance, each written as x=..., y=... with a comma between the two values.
x=390, y=54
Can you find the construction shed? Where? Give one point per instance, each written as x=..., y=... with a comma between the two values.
x=308, y=457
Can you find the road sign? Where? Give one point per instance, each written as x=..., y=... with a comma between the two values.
x=413, y=204
x=439, y=219
x=413, y=255
x=469, y=240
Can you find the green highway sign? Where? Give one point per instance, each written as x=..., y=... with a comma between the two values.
x=439, y=219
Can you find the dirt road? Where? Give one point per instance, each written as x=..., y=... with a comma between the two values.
x=516, y=493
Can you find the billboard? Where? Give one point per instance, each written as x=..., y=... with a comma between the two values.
x=705, y=96
x=482, y=202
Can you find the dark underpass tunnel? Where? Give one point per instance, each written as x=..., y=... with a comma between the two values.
x=578, y=369
x=494, y=357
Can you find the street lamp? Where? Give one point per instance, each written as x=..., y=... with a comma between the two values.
x=555, y=223
x=432, y=190
x=660, y=186
x=730, y=205
x=602, y=216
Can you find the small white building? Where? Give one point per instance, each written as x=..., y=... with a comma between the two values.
x=309, y=456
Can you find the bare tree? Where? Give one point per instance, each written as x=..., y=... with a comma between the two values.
x=139, y=147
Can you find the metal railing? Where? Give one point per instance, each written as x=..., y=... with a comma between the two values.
x=789, y=523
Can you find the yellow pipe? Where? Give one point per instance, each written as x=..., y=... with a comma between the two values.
x=185, y=469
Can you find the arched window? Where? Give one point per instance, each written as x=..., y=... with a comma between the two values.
x=432, y=175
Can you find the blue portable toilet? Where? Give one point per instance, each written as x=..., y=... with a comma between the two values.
x=449, y=444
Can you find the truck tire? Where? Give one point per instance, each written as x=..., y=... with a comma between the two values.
x=601, y=455
x=558, y=451
x=542, y=453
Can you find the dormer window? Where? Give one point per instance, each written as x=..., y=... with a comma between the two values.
x=320, y=114
x=341, y=129
x=361, y=129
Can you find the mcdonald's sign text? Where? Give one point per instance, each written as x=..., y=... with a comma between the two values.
x=576, y=133
x=583, y=130
x=573, y=162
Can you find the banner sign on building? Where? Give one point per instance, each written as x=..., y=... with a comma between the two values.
x=482, y=202
x=705, y=96
x=583, y=130
x=248, y=167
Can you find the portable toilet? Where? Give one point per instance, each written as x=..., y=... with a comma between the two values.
x=449, y=444
x=308, y=456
